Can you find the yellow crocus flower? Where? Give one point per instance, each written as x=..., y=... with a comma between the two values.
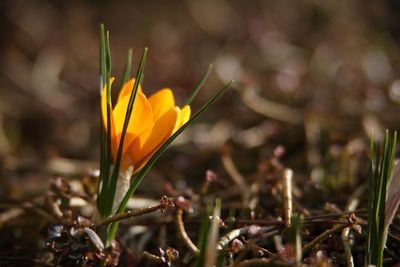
x=153, y=121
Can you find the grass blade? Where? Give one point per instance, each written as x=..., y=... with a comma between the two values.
x=294, y=235
x=128, y=67
x=105, y=155
x=202, y=240
x=103, y=67
x=223, y=252
x=103, y=166
x=370, y=198
x=212, y=237
x=393, y=197
x=199, y=85
x=381, y=167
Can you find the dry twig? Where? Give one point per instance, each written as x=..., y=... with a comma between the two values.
x=346, y=245
x=269, y=108
x=287, y=196
x=248, y=230
x=239, y=180
x=164, y=203
x=182, y=232
x=10, y=214
x=152, y=258
x=325, y=235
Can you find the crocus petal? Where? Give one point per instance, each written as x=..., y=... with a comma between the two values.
x=104, y=115
x=104, y=103
x=183, y=117
x=141, y=118
x=151, y=140
x=152, y=122
x=127, y=89
x=161, y=102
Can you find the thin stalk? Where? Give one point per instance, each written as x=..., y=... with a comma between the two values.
x=212, y=236
x=346, y=246
x=182, y=232
x=199, y=85
x=105, y=155
x=128, y=67
x=100, y=203
x=202, y=240
x=325, y=235
x=130, y=214
x=108, y=159
x=287, y=196
x=381, y=167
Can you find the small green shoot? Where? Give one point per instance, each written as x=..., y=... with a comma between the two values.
x=380, y=169
x=208, y=235
x=223, y=252
x=294, y=235
x=212, y=237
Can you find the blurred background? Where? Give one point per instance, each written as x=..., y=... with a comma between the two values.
x=312, y=76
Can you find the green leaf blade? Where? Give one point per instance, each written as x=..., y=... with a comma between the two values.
x=199, y=85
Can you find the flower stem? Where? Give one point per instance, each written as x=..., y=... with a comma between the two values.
x=123, y=184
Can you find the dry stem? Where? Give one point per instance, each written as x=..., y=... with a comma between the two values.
x=271, y=109
x=287, y=196
x=252, y=230
x=10, y=214
x=182, y=232
x=346, y=245
x=152, y=258
x=164, y=203
x=239, y=180
x=325, y=235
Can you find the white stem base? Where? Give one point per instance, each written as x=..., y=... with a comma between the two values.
x=123, y=184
